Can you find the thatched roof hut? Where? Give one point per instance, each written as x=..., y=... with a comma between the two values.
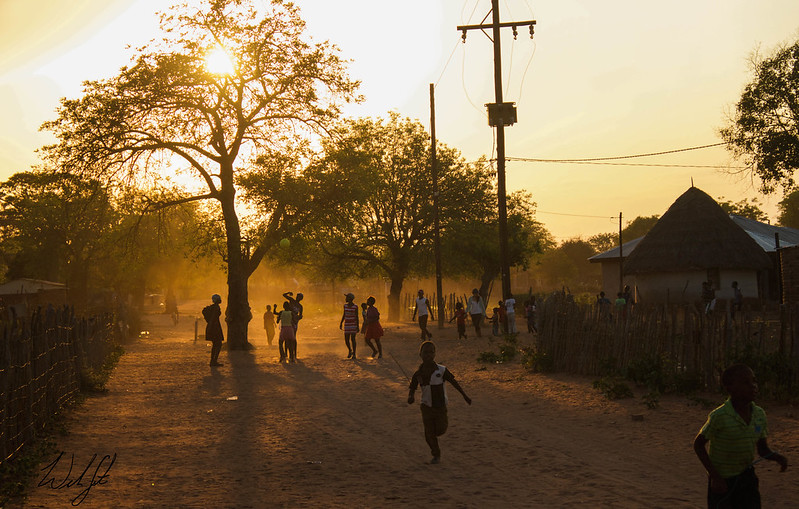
x=695, y=234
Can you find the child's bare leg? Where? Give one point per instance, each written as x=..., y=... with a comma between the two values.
x=369, y=342
x=379, y=348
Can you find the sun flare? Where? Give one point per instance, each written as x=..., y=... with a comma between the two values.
x=219, y=62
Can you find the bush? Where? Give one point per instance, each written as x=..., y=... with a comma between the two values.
x=94, y=380
x=613, y=388
x=537, y=361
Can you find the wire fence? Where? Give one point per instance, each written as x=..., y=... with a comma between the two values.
x=590, y=340
x=41, y=363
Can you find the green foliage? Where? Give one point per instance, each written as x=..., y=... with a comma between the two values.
x=789, y=210
x=507, y=351
x=16, y=474
x=613, y=388
x=651, y=399
x=764, y=128
x=744, y=208
x=661, y=375
x=537, y=361
x=94, y=380
x=567, y=266
x=775, y=372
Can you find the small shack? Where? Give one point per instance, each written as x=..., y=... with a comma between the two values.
x=24, y=295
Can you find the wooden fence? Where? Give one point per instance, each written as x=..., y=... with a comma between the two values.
x=41, y=360
x=581, y=339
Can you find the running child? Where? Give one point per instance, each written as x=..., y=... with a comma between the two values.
x=734, y=431
x=460, y=316
x=349, y=324
x=431, y=377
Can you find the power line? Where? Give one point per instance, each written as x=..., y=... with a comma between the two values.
x=592, y=159
x=653, y=165
x=574, y=215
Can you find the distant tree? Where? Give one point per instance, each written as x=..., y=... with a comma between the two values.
x=567, y=266
x=471, y=242
x=744, y=208
x=602, y=242
x=764, y=128
x=789, y=210
x=379, y=170
x=169, y=113
x=55, y=226
x=638, y=227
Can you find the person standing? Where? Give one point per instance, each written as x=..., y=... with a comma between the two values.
x=510, y=314
x=727, y=443
x=476, y=309
x=295, y=307
x=287, y=338
x=737, y=299
x=349, y=324
x=213, y=328
x=269, y=324
x=424, y=310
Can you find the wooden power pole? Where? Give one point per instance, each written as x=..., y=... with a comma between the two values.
x=436, y=221
x=500, y=114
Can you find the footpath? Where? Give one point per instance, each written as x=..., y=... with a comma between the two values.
x=331, y=432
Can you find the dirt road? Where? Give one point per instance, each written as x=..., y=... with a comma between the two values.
x=332, y=432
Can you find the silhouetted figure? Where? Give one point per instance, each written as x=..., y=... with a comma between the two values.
x=477, y=310
x=213, y=328
x=422, y=306
x=349, y=324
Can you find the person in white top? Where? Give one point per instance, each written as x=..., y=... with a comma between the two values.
x=476, y=309
x=422, y=306
x=510, y=314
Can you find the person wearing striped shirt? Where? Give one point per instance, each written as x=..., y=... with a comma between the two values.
x=727, y=442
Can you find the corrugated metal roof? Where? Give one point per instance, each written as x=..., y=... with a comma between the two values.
x=763, y=233
x=28, y=286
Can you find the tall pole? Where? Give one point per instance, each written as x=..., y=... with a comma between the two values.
x=436, y=222
x=500, y=114
x=504, y=263
x=621, y=259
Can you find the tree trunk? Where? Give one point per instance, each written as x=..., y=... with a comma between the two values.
x=394, y=298
x=238, y=313
x=485, y=281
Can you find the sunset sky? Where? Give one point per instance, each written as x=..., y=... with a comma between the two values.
x=600, y=79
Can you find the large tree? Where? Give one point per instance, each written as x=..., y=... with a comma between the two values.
x=471, y=242
x=789, y=210
x=169, y=113
x=764, y=128
x=55, y=226
x=744, y=208
x=379, y=169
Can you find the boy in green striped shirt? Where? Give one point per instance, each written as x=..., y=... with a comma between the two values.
x=734, y=430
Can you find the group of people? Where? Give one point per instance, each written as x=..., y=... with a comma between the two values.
x=725, y=445
x=503, y=317
x=369, y=325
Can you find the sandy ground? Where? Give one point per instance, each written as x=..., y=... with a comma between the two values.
x=332, y=432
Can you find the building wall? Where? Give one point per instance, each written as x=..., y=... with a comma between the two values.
x=686, y=286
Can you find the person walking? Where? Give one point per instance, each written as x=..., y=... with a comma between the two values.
x=424, y=310
x=373, y=328
x=349, y=324
x=476, y=309
x=213, y=328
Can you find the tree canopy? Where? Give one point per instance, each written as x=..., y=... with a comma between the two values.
x=167, y=118
x=379, y=171
x=744, y=208
x=763, y=130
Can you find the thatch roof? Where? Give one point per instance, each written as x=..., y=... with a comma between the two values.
x=695, y=234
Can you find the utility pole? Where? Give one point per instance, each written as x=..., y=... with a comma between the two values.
x=621, y=259
x=500, y=114
x=436, y=222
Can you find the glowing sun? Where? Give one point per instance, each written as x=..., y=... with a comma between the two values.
x=219, y=62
